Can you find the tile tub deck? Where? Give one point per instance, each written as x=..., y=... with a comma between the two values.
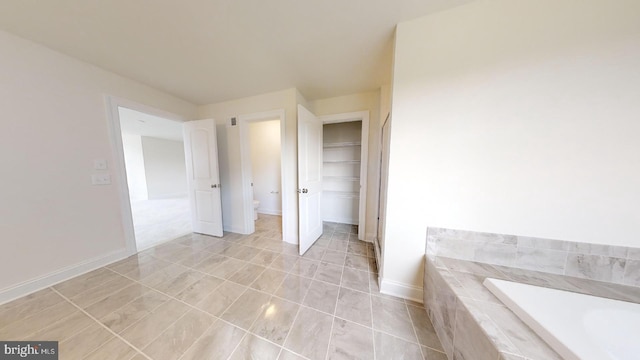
x=473, y=324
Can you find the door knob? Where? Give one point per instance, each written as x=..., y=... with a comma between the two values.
x=304, y=191
x=214, y=186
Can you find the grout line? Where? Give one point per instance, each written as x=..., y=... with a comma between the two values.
x=30, y=314
x=413, y=327
x=373, y=334
x=171, y=297
x=295, y=317
x=96, y=287
x=246, y=333
x=216, y=318
x=301, y=304
x=53, y=324
x=102, y=325
x=289, y=271
x=167, y=328
x=335, y=310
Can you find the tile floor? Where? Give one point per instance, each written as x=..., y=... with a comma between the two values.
x=236, y=297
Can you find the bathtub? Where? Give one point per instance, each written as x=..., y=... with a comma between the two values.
x=576, y=326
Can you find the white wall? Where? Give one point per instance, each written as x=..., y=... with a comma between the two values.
x=54, y=124
x=165, y=168
x=517, y=117
x=229, y=153
x=134, y=162
x=367, y=101
x=264, y=138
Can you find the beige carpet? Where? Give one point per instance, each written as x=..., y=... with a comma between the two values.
x=160, y=220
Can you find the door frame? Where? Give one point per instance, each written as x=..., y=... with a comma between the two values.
x=364, y=158
x=379, y=241
x=120, y=172
x=245, y=159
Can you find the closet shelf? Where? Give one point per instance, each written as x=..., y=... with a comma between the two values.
x=342, y=161
x=341, y=144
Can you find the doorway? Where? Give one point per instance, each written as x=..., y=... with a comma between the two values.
x=345, y=156
x=262, y=142
x=266, y=167
x=149, y=147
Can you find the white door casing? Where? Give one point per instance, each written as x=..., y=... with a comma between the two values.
x=288, y=215
x=309, y=178
x=203, y=178
x=385, y=137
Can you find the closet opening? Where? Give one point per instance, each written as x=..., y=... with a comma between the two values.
x=345, y=169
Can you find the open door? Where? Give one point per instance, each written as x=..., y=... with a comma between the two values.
x=203, y=178
x=309, y=178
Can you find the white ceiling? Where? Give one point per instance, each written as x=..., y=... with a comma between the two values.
x=207, y=51
x=137, y=123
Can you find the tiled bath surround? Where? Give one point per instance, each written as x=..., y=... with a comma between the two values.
x=472, y=323
x=616, y=264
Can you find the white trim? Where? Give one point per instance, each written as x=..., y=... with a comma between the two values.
x=364, y=159
x=340, y=220
x=370, y=238
x=58, y=276
x=245, y=159
x=115, y=134
x=232, y=229
x=401, y=290
x=269, y=212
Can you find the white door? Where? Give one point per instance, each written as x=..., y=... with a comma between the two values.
x=201, y=152
x=309, y=178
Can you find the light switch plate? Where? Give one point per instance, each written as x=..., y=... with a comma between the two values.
x=100, y=179
x=100, y=164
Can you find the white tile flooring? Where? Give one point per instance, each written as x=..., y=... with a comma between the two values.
x=236, y=297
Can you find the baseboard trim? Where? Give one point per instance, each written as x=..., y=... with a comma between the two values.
x=339, y=220
x=269, y=212
x=401, y=290
x=370, y=238
x=58, y=276
x=232, y=229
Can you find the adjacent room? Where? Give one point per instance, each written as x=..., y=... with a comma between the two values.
x=353, y=179
x=153, y=150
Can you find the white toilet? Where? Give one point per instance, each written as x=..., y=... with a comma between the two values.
x=256, y=203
